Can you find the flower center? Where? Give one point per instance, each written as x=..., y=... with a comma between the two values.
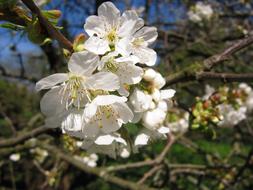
x=111, y=65
x=104, y=113
x=112, y=36
x=74, y=91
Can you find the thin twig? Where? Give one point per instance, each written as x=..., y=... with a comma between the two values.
x=8, y=120
x=23, y=136
x=225, y=77
x=95, y=171
x=158, y=160
x=52, y=31
x=148, y=174
x=198, y=71
x=228, y=52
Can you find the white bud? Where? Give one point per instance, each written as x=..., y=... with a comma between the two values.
x=124, y=153
x=159, y=81
x=162, y=105
x=79, y=143
x=245, y=87
x=156, y=95
x=149, y=75
x=154, y=118
x=152, y=105
x=140, y=101
x=15, y=157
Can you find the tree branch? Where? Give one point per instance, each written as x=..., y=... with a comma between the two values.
x=95, y=171
x=157, y=161
x=229, y=51
x=149, y=173
x=23, y=137
x=225, y=77
x=197, y=71
x=52, y=31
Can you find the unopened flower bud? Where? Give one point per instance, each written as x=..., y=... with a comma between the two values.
x=156, y=95
x=149, y=75
x=159, y=81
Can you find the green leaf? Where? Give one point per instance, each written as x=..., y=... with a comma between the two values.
x=52, y=14
x=35, y=32
x=12, y=26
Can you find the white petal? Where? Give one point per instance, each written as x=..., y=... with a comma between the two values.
x=156, y=95
x=120, y=140
x=159, y=81
x=103, y=81
x=149, y=34
x=94, y=25
x=153, y=118
x=54, y=121
x=51, y=81
x=50, y=103
x=104, y=100
x=168, y=93
x=89, y=111
x=140, y=101
x=141, y=139
x=123, y=91
x=76, y=134
x=126, y=28
x=124, y=112
x=163, y=130
x=162, y=105
x=121, y=46
x=129, y=73
x=90, y=129
x=110, y=124
x=146, y=55
x=97, y=45
x=110, y=12
x=83, y=63
x=131, y=58
x=132, y=15
x=105, y=140
x=73, y=122
x=137, y=117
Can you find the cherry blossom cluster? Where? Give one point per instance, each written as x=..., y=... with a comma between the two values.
x=106, y=85
x=200, y=11
x=225, y=106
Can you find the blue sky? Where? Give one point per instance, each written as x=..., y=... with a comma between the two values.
x=76, y=15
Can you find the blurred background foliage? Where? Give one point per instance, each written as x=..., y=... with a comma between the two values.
x=181, y=43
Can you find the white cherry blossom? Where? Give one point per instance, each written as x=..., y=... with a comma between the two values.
x=76, y=87
x=200, y=11
x=127, y=72
x=89, y=160
x=230, y=115
x=105, y=114
x=107, y=30
x=140, y=101
x=153, y=119
x=146, y=136
x=111, y=145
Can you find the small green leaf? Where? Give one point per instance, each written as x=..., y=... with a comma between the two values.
x=52, y=14
x=12, y=26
